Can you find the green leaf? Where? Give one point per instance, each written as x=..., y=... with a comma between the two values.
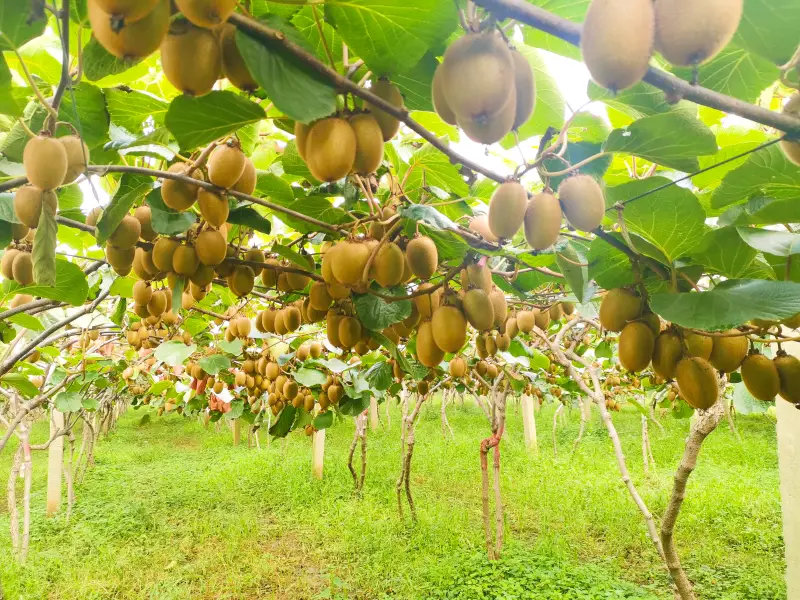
x=19, y=23
x=610, y=268
x=762, y=211
x=377, y=314
x=133, y=110
x=380, y=376
x=119, y=311
x=164, y=220
x=416, y=84
x=99, y=63
x=303, y=21
x=87, y=113
x=603, y=350
x=730, y=304
x=71, y=285
x=44, y=248
x=68, y=401
x=323, y=420
x=392, y=35
x=354, y=406
x=430, y=166
x=237, y=408
x=21, y=383
x=160, y=386
x=670, y=219
x=27, y=321
x=283, y=424
x=639, y=101
x=746, y=404
x=177, y=293
x=574, y=10
x=295, y=90
x=779, y=243
x=89, y=404
x=9, y=105
x=215, y=363
x=769, y=28
x=131, y=189
x=673, y=140
x=174, y=352
x=197, y=121
x=249, y=217
x=724, y=252
x=576, y=275
x=234, y=347
x=577, y=152
x=765, y=173
x=309, y=377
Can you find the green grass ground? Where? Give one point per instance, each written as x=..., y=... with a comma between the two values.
x=174, y=512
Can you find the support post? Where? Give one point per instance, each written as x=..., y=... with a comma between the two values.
x=237, y=432
x=374, y=421
x=789, y=465
x=529, y=424
x=55, y=461
x=318, y=453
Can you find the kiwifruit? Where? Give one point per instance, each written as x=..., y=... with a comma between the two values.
x=335, y=393
x=243, y=327
x=185, y=260
x=478, y=75
x=127, y=233
x=247, y=182
x=480, y=225
x=241, y=280
x=423, y=257
x=788, y=368
x=618, y=307
x=191, y=58
x=331, y=149
x=206, y=13
x=652, y=320
x=128, y=11
x=478, y=309
x=45, y=161
x=490, y=129
x=157, y=304
x=428, y=353
x=617, y=41
x=792, y=322
x=210, y=247
x=698, y=345
x=526, y=320
x=690, y=33
x=234, y=66
x=512, y=329
x=385, y=90
x=203, y=276
x=555, y=311
x=213, y=207
x=332, y=320
x=179, y=195
x=449, y=328
x=348, y=260
x=7, y=261
x=349, y=332
x=697, y=382
x=226, y=165
x=458, y=367
x=94, y=216
x=28, y=202
x=499, y=306
x=121, y=259
x=292, y=318
x=388, y=265
x=269, y=277
x=19, y=231
x=440, y=104
x=582, y=201
x=77, y=157
x=525, y=88
x=338, y=291
x=163, y=253
x=760, y=376
x=541, y=318
x=491, y=345
x=144, y=215
x=369, y=143
x=301, y=131
x=476, y=275
x=507, y=209
x=141, y=311
x=22, y=268
x=502, y=341
x=315, y=350
x=143, y=264
x=542, y=221
x=667, y=352
x=19, y=300
x=427, y=303
x=136, y=39
x=791, y=149
x=727, y=353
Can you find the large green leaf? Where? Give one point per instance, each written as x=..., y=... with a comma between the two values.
x=215, y=363
x=724, y=252
x=430, y=166
x=19, y=23
x=762, y=211
x=294, y=89
x=309, y=377
x=392, y=35
x=68, y=401
x=638, y=101
x=415, y=84
x=99, y=63
x=779, y=243
x=250, y=217
x=133, y=110
x=283, y=424
x=21, y=383
x=44, y=248
x=87, y=112
x=377, y=314
x=670, y=219
x=174, y=352
x=9, y=105
x=132, y=188
x=769, y=28
x=164, y=220
x=571, y=262
x=306, y=25
x=574, y=10
x=610, y=268
x=71, y=285
x=671, y=139
x=197, y=121
x=765, y=173
x=730, y=304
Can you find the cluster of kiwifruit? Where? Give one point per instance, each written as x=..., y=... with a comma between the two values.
x=619, y=36
x=692, y=359
x=152, y=330
x=542, y=317
x=349, y=142
x=484, y=87
x=580, y=200
x=17, y=265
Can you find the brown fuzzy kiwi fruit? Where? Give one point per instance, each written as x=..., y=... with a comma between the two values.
x=142, y=292
x=127, y=232
x=77, y=157
x=22, y=268
x=388, y=265
x=19, y=231
x=128, y=11
x=226, y=165
x=568, y=308
x=369, y=143
x=203, y=276
x=241, y=280
x=348, y=261
x=502, y=341
x=94, y=216
x=500, y=307
x=440, y=104
x=319, y=297
x=760, y=377
x=698, y=345
x=478, y=75
x=490, y=129
x=211, y=247
x=727, y=353
x=478, y=309
x=331, y=149
x=423, y=257
x=525, y=87
x=617, y=41
x=507, y=209
x=386, y=90
x=292, y=319
x=526, y=320
x=349, y=332
x=7, y=261
x=19, y=300
x=691, y=33
x=477, y=276
x=185, y=260
x=301, y=131
x=791, y=149
x=619, y=306
x=582, y=201
x=28, y=201
x=135, y=40
x=427, y=303
x=179, y=195
x=555, y=312
x=206, y=13
x=247, y=182
x=428, y=353
x=213, y=207
x=234, y=67
x=697, y=382
x=144, y=215
x=158, y=303
x=480, y=225
x=667, y=352
x=542, y=221
x=121, y=259
x=143, y=265
x=652, y=320
x=789, y=373
x=332, y=320
x=191, y=58
x=163, y=252
x=269, y=277
x=512, y=329
x=45, y=161
x=541, y=318
x=449, y=328
x=458, y=367
x=491, y=345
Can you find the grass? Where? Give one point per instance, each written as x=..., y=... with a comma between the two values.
x=173, y=512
